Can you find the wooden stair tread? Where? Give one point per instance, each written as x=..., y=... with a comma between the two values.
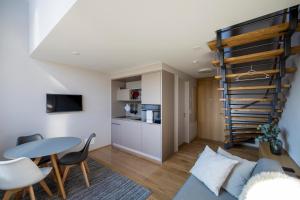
x=258, y=119
x=260, y=87
x=244, y=135
x=253, y=74
x=256, y=56
x=252, y=109
x=253, y=36
x=249, y=99
x=242, y=125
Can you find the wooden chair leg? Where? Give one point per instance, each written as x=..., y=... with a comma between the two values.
x=86, y=166
x=65, y=174
x=46, y=188
x=84, y=174
x=31, y=193
x=7, y=195
x=20, y=194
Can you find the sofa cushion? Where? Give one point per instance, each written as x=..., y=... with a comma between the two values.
x=239, y=175
x=193, y=189
x=213, y=169
x=266, y=165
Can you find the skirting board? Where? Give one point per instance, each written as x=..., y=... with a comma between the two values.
x=139, y=154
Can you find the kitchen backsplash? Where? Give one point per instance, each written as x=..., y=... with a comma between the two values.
x=135, y=110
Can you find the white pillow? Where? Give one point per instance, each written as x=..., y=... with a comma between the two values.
x=239, y=175
x=271, y=185
x=212, y=169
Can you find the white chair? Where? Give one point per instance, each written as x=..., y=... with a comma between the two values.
x=19, y=174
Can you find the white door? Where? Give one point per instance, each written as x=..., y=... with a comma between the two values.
x=181, y=109
x=187, y=103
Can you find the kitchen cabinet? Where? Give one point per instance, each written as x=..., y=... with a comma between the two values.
x=123, y=95
x=131, y=135
x=139, y=137
x=151, y=88
x=116, y=134
x=152, y=140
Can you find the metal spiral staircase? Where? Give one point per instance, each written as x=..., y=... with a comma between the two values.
x=252, y=70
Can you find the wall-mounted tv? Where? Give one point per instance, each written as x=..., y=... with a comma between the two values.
x=63, y=103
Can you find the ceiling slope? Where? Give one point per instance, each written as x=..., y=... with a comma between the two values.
x=112, y=35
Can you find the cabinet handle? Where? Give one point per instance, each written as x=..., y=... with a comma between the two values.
x=115, y=123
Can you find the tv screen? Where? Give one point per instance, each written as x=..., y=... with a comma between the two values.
x=63, y=103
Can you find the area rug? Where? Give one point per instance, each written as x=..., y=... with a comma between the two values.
x=105, y=184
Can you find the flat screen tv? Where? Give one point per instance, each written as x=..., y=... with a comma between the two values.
x=63, y=103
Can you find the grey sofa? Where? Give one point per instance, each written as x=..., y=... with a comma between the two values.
x=193, y=189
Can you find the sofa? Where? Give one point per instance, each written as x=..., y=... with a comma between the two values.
x=193, y=189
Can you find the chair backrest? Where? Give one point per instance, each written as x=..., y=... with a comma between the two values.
x=85, y=150
x=29, y=138
x=18, y=173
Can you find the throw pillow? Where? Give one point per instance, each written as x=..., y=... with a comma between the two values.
x=239, y=175
x=271, y=185
x=212, y=169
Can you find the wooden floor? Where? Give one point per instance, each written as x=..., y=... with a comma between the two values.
x=166, y=179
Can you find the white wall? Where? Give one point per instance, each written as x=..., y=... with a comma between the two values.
x=43, y=16
x=24, y=83
x=290, y=120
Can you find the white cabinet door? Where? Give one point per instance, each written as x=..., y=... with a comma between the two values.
x=131, y=135
x=123, y=95
x=151, y=88
x=116, y=134
x=151, y=140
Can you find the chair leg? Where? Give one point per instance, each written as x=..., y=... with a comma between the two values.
x=46, y=188
x=31, y=193
x=84, y=174
x=65, y=174
x=86, y=166
x=7, y=195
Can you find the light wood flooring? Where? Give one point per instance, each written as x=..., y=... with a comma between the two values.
x=166, y=179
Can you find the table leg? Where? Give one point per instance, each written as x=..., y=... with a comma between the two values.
x=58, y=176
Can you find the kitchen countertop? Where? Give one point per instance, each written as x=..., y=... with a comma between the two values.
x=135, y=119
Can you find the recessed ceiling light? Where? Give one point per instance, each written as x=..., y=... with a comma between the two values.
x=75, y=53
x=197, y=47
x=205, y=70
x=195, y=61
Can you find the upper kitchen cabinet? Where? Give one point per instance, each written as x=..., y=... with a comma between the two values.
x=151, y=88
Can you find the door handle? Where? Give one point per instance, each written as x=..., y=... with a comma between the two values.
x=115, y=124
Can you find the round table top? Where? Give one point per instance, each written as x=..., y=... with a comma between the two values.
x=40, y=148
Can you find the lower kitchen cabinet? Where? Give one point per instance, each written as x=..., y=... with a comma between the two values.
x=116, y=132
x=139, y=137
x=131, y=135
x=152, y=140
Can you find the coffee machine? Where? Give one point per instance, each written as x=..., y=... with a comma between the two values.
x=151, y=113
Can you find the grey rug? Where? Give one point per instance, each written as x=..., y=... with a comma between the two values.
x=105, y=184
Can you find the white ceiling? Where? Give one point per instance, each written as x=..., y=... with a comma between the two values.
x=113, y=35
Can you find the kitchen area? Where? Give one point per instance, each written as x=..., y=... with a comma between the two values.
x=143, y=115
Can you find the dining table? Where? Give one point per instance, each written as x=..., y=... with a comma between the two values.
x=45, y=147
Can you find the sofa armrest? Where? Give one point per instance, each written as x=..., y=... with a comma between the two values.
x=266, y=165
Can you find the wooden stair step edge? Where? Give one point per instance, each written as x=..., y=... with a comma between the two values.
x=249, y=99
x=253, y=36
x=269, y=72
x=257, y=87
x=253, y=109
x=240, y=135
x=236, y=140
x=256, y=56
